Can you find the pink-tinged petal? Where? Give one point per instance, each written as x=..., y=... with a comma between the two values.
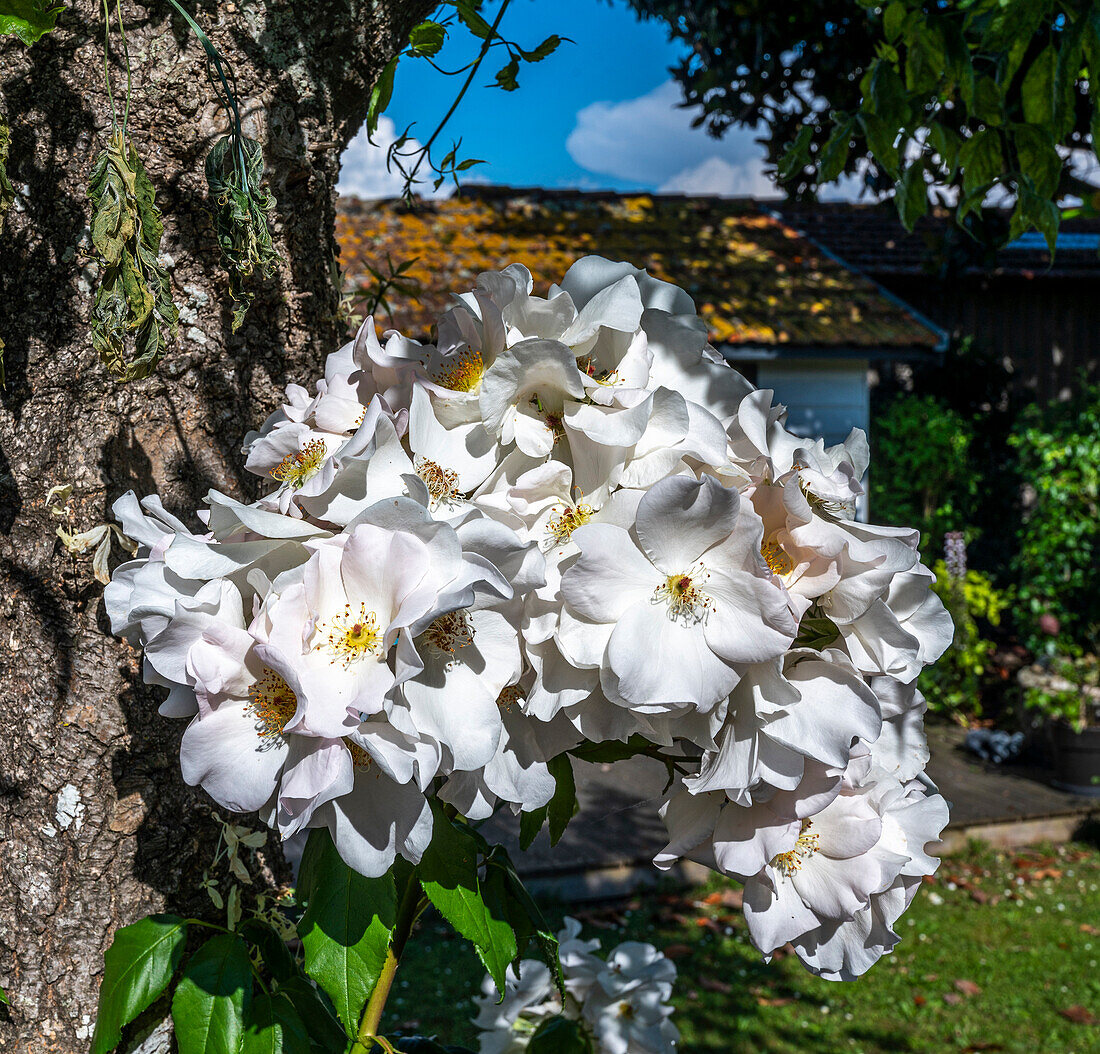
x=610, y=574
x=680, y=518
x=317, y=770
x=658, y=661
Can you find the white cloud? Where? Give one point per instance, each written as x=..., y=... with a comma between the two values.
x=725, y=178
x=650, y=140
x=363, y=171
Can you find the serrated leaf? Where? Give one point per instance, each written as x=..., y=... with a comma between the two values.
x=316, y=1013
x=981, y=161
x=263, y=1033
x=834, y=154
x=467, y=13
x=427, y=38
x=893, y=20
x=346, y=927
x=274, y=1027
x=213, y=998
x=881, y=139
x=273, y=950
x=138, y=966
x=506, y=889
x=29, y=20
x=449, y=874
x=1039, y=158
x=560, y=1035
x=544, y=50
x=469, y=163
x=816, y=631
x=796, y=156
x=1037, y=90
x=911, y=196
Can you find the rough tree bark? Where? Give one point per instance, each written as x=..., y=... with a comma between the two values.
x=96, y=827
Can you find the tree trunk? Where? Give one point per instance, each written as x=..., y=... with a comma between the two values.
x=96, y=826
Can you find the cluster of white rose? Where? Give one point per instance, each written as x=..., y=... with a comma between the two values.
x=568, y=520
x=621, y=1003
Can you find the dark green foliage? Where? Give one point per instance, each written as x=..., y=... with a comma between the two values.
x=561, y=808
x=560, y=1035
x=449, y=873
x=138, y=967
x=346, y=928
x=134, y=298
x=966, y=95
x=1058, y=559
x=958, y=683
x=239, y=204
x=213, y=998
x=923, y=474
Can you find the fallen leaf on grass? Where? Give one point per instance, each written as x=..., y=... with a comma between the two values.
x=714, y=985
x=1091, y=930
x=967, y=988
x=774, y=1000
x=952, y=998
x=1079, y=1015
x=677, y=951
x=919, y=1000
x=979, y=896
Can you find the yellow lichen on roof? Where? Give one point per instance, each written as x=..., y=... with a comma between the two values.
x=753, y=279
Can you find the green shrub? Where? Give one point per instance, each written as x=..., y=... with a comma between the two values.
x=1058, y=553
x=922, y=474
x=956, y=683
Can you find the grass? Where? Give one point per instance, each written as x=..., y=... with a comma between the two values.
x=999, y=953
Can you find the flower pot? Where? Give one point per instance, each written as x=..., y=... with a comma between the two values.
x=1076, y=758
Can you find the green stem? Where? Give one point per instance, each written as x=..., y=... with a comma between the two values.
x=411, y=905
x=425, y=150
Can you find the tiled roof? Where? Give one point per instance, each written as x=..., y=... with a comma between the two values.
x=754, y=279
x=872, y=239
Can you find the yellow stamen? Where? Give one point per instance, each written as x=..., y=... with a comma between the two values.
x=442, y=483
x=776, y=559
x=273, y=702
x=562, y=524
x=351, y=638
x=790, y=863
x=685, y=597
x=462, y=372
x=511, y=697
x=296, y=468
x=449, y=632
x=360, y=759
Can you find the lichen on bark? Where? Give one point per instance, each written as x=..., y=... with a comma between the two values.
x=96, y=827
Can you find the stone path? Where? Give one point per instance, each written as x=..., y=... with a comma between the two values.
x=608, y=848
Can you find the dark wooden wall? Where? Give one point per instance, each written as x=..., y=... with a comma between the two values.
x=1047, y=328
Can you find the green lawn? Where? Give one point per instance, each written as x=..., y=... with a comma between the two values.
x=999, y=953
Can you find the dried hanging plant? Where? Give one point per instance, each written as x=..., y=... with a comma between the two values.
x=134, y=294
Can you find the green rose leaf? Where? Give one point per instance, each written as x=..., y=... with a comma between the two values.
x=274, y=1027
x=29, y=20
x=213, y=998
x=346, y=928
x=311, y=1006
x=138, y=966
x=449, y=874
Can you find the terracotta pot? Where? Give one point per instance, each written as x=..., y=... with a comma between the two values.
x=1076, y=758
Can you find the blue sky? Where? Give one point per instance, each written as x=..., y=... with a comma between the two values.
x=598, y=113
